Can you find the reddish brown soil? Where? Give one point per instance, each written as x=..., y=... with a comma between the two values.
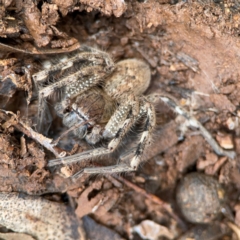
x=193, y=51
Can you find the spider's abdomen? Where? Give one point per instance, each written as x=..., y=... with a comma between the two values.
x=131, y=75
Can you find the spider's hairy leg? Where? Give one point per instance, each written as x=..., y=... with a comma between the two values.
x=96, y=57
x=44, y=117
x=127, y=102
x=145, y=139
x=77, y=82
x=103, y=170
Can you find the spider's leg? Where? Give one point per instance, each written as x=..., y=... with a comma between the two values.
x=103, y=170
x=44, y=119
x=146, y=135
x=96, y=57
x=122, y=120
x=129, y=105
x=77, y=82
x=80, y=157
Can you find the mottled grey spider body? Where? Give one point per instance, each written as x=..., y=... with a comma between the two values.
x=91, y=74
x=91, y=110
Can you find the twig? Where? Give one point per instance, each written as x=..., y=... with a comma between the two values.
x=13, y=120
x=195, y=123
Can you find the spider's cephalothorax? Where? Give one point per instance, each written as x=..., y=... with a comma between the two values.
x=91, y=110
x=97, y=91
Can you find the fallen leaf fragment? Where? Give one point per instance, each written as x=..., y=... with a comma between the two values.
x=150, y=230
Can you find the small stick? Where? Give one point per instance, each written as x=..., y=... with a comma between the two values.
x=195, y=123
x=28, y=131
x=33, y=50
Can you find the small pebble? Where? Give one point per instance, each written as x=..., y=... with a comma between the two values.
x=200, y=198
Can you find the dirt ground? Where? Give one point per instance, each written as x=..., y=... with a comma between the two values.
x=192, y=48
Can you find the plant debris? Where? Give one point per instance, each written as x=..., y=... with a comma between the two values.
x=192, y=48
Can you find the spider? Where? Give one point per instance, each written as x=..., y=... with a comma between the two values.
x=92, y=81
x=95, y=91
